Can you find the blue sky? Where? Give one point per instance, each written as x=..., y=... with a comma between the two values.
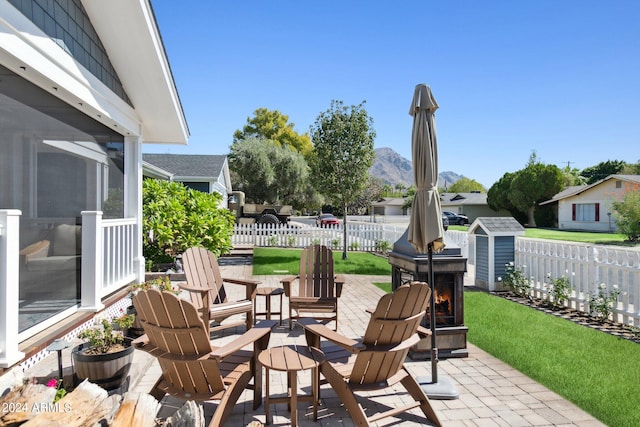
x=558, y=77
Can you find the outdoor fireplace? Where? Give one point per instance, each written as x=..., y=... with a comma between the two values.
x=448, y=267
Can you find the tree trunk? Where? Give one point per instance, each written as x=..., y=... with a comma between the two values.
x=344, y=232
x=531, y=221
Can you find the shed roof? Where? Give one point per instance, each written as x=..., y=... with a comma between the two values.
x=497, y=226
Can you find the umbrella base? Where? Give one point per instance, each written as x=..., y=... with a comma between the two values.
x=442, y=390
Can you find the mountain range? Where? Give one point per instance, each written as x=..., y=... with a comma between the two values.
x=393, y=169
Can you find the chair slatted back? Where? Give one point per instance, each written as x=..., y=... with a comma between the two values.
x=394, y=322
x=179, y=339
x=202, y=271
x=316, y=272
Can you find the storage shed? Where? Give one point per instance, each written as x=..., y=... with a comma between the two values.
x=495, y=247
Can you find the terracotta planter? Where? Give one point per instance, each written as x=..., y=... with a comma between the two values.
x=109, y=371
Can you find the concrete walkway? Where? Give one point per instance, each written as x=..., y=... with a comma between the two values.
x=490, y=392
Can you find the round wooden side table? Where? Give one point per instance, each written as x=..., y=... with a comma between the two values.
x=291, y=359
x=267, y=293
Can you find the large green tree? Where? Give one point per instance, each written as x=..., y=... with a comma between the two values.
x=602, y=170
x=342, y=155
x=272, y=125
x=267, y=172
x=466, y=185
x=521, y=191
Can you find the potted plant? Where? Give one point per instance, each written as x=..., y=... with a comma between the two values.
x=105, y=359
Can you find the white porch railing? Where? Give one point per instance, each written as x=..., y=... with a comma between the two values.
x=119, y=236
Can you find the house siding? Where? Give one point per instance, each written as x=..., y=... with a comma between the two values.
x=482, y=258
x=504, y=253
x=602, y=196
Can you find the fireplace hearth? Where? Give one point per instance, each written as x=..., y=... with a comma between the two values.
x=448, y=267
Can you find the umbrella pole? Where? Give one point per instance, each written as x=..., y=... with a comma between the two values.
x=432, y=318
x=434, y=387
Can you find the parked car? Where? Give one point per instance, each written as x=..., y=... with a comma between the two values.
x=327, y=220
x=445, y=222
x=456, y=219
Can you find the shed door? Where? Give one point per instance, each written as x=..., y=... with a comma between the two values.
x=482, y=257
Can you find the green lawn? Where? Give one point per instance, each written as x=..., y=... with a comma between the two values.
x=570, y=236
x=287, y=261
x=596, y=371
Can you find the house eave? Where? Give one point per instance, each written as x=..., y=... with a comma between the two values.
x=129, y=32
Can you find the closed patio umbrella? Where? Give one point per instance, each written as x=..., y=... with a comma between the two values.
x=425, y=225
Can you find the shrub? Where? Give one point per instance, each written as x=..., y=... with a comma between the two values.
x=627, y=212
x=558, y=290
x=383, y=246
x=176, y=218
x=516, y=280
x=601, y=302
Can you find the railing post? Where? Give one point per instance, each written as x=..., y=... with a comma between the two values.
x=9, y=286
x=92, y=261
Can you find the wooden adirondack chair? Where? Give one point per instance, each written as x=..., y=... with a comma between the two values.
x=318, y=288
x=377, y=360
x=203, y=274
x=192, y=369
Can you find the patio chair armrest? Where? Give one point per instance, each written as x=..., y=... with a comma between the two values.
x=286, y=284
x=260, y=333
x=250, y=285
x=424, y=332
x=339, y=281
x=187, y=287
x=314, y=330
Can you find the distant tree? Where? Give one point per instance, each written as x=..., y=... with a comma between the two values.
x=631, y=168
x=408, y=200
x=400, y=187
x=602, y=170
x=627, y=212
x=498, y=194
x=466, y=185
x=273, y=126
x=342, y=155
x=572, y=177
x=372, y=193
x=387, y=190
x=534, y=184
x=267, y=172
x=521, y=191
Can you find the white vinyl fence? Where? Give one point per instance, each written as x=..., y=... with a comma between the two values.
x=588, y=267
x=362, y=237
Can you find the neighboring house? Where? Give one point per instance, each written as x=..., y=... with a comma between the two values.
x=588, y=207
x=83, y=84
x=473, y=205
x=389, y=206
x=206, y=173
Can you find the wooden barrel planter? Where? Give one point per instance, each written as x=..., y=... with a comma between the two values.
x=136, y=330
x=108, y=370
